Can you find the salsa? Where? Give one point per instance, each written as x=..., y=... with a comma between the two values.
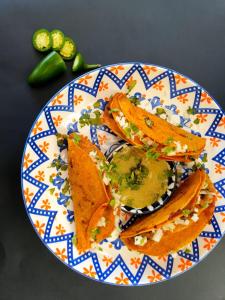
x=138, y=179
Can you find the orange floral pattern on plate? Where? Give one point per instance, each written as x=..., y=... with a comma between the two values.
x=121, y=279
x=40, y=176
x=46, y=204
x=61, y=253
x=183, y=98
x=103, y=86
x=154, y=277
x=27, y=160
x=180, y=79
x=85, y=79
x=27, y=195
x=107, y=260
x=77, y=99
x=116, y=69
x=39, y=227
x=209, y=243
x=37, y=127
x=149, y=69
x=222, y=122
x=60, y=230
x=158, y=86
x=44, y=146
x=89, y=271
x=57, y=120
x=135, y=261
x=219, y=168
x=202, y=118
x=57, y=100
x=184, y=264
x=205, y=98
x=214, y=142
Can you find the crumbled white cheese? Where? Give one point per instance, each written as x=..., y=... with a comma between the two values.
x=116, y=196
x=180, y=148
x=169, y=226
x=172, y=118
x=122, y=120
x=195, y=217
x=140, y=240
x=101, y=222
x=163, y=116
x=116, y=232
x=157, y=235
x=190, y=164
x=106, y=179
x=93, y=155
x=174, y=254
x=180, y=221
x=196, y=209
x=92, y=115
x=198, y=199
x=147, y=141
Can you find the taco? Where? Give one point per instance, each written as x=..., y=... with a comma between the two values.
x=94, y=217
x=178, y=223
x=141, y=128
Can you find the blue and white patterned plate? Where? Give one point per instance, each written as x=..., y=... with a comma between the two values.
x=44, y=175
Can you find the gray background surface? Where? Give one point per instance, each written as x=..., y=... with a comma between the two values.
x=188, y=36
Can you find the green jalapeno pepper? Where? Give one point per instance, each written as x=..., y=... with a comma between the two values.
x=79, y=64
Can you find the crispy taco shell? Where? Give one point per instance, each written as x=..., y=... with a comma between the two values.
x=90, y=199
x=159, y=131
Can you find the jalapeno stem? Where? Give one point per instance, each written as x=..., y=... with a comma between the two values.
x=80, y=65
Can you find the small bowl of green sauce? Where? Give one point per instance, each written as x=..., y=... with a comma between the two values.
x=141, y=184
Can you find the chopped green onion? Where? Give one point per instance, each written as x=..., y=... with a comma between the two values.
x=196, y=121
x=149, y=122
x=186, y=212
x=191, y=111
x=76, y=138
x=131, y=85
x=113, y=110
x=112, y=202
x=160, y=111
x=204, y=158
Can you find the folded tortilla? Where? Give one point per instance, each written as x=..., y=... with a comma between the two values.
x=120, y=113
x=178, y=223
x=94, y=218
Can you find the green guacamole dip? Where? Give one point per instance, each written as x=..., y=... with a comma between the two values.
x=139, y=180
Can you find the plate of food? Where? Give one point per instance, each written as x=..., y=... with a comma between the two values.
x=123, y=174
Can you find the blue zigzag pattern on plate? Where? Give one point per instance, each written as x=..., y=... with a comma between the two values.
x=191, y=256
x=119, y=262
x=220, y=208
x=220, y=157
x=212, y=234
x=166, y=273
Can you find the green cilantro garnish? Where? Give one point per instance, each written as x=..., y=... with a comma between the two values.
x=127, y=131
x=85, y=119
x=152, y=153
x=136, y=176
x=204, y=158
x=135, y=101
x=187, y=250
x=160, y=111
x=66, y=186
x=169, y=140
x=76, y=138
x=51, y=179
x=113, y=110
x=61, y=139
x=169, y=173
x=100, y=249
x=196, y=121
x=205, y=204
x=112, y=202
x=74, y=240
x=97, y=104
x=149, y=122
x=191, y=111
x=131, y=85
x=51, y=191
x=168, y=149
x=94, y=233
x=133, y=127
x=186, y=212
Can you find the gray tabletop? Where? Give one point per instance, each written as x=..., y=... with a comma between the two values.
x=188, y=36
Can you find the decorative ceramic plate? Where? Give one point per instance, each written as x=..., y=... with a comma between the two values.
x=45, y=187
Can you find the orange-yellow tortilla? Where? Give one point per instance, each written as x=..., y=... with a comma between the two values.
x=174, y=241
x=90, y=199
x=185, y=197
x=159, y=132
